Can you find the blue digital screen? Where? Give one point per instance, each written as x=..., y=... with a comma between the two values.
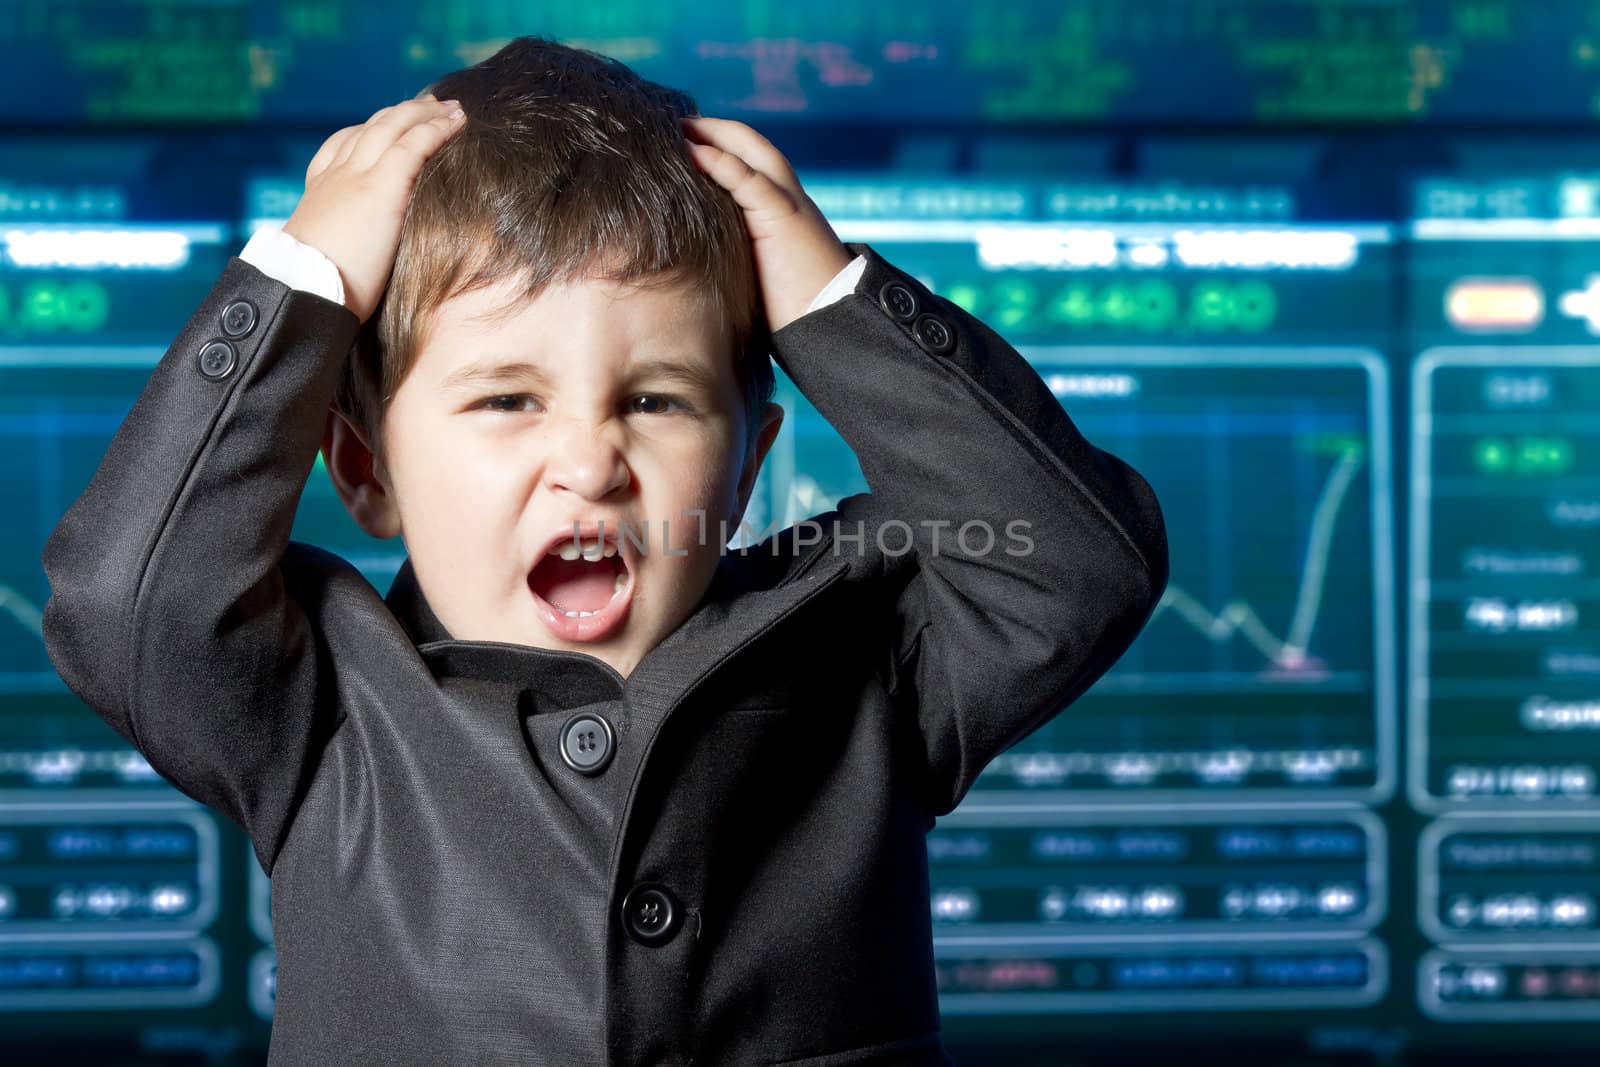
x=1308, y=267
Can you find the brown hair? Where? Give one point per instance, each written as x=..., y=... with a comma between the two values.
x=569, y=165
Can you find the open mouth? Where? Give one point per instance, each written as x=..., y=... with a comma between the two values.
x=582, y=589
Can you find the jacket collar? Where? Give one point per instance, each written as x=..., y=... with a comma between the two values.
x=749, y=594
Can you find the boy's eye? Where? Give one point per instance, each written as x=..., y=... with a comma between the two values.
x=641, y=404
x=509, y=403
x=654, y=404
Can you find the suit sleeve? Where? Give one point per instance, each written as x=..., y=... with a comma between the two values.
x=169, y=613
x=992, y=633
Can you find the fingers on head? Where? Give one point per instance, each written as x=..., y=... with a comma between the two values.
x=747, y=143
x=346, y=145
x=386, y=126
x=423, y=139
x=735, y=172
x=330, y=151
x=750, y=188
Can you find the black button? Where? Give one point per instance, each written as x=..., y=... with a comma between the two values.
x=933, y=333
x=217, y=359
x=238, y=318
x=898, y=300
x=651, y=914
x=587, y=743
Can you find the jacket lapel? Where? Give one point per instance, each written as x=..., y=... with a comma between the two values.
x=736, y=610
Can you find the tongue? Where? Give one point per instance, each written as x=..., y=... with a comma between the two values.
x=575, y=584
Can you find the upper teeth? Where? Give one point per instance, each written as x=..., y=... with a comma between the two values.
x=595, y=550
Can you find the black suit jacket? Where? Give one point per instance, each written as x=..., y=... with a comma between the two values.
x=745, y=881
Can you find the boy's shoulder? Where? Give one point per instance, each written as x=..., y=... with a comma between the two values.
x=343, y=605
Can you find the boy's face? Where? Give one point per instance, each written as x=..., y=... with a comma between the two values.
x=593, y=403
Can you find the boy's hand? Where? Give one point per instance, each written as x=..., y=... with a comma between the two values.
x=796, y=251
x=358, y=186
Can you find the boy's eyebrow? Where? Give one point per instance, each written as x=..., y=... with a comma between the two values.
x=496, y=373
x=689, y=373
x=692, y=374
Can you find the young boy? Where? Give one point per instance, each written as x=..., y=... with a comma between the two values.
x=656, y=800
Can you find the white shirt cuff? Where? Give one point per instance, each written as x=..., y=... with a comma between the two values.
x=842, y=285
x=294, y=263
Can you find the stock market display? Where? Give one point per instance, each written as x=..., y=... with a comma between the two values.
x=120, y=61
x=1325, y=273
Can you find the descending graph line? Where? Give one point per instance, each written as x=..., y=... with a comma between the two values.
x=1239, y=617
x=22, y=609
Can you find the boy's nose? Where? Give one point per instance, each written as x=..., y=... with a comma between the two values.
x=584, y=460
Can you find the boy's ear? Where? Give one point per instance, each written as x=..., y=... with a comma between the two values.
x=349, y=461
x=771, y=421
